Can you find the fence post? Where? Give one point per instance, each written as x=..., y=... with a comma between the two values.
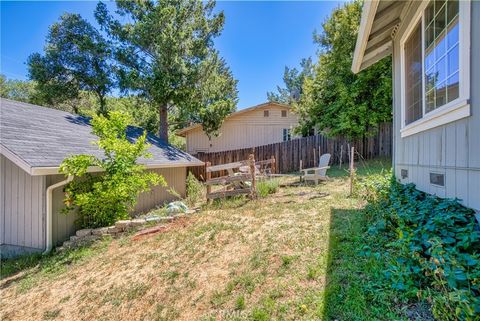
x=273, y=165
x=251, y=160
x=314, y=158
x=341, y=155
x=351, y=169
x=209, y=176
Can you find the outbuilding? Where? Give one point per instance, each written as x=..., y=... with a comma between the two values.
x=34, y=142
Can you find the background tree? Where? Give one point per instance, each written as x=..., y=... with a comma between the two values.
x=293, y=80
x=161, y=49
x=338, y=102
x=76, y=59
x=17, y=89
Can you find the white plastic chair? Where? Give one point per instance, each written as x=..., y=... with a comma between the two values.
x=318, y=173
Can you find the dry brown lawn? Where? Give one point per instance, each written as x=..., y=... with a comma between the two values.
x=235, y=260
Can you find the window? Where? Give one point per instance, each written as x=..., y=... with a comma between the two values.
x=441, y=53
x=286, y=134
x=435, y=75
x=265, y=113
x=284, y=113
x=413, y=76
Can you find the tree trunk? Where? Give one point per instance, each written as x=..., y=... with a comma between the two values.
x=103, y=105
x=163, y=127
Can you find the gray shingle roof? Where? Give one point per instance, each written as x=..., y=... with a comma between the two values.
x=43, y=137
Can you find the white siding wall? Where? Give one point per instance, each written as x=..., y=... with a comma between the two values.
x=249, y=129
x=452, y=149
x=22, y=207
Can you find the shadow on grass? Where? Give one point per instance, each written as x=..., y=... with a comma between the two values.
x=356, y=288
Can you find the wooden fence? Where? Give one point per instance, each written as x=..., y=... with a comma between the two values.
x=306, y=149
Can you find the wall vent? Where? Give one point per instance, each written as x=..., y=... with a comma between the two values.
x=437, y=179
x=404, y=173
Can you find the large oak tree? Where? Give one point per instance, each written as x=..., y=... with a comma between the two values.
x=76, y=59
x=164, y=52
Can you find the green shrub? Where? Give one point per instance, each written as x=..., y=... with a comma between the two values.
x=266, y=187
x=433, y=246
x=102, y=199
x=195, y=190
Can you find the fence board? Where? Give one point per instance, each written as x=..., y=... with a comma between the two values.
x=289, y=154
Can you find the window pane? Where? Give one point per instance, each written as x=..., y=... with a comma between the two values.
x=413, y=76
x=452, y=10
x=453, y=60
x=441, y=70
x=430, y=101
x=441, y=94
x=452, y=87
x=442, y=57
x=452, y=36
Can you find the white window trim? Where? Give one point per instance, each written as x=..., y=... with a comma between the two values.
x=456, y=109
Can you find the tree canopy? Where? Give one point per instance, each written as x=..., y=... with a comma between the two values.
x=164, y=52
x=76, y=58
x=293, y=80
x=335, y=101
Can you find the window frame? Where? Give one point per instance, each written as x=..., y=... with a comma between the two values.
x=456, y=109
x=287, y=132
x=266, y=113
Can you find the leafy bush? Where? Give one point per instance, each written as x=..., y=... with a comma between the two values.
x=434, y=247
x=266, y=187
x=104, y=198
x=195, y=190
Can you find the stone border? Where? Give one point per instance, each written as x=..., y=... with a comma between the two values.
x=87, y=236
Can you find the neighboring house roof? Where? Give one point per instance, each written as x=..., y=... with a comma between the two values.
x=38, y=139
x=379, y=22
x=184, y=131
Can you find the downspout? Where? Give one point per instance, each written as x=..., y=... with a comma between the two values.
x=49, y=227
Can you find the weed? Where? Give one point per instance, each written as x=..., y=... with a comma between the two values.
x=240, y=303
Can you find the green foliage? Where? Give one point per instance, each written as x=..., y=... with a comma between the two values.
x=195, y=190
x=267, y=187
x=76, y=59
x=164, y=52
x=104, y=198
x=336, y=101
x=434, y=247
x=18, y=90
x=293, y=80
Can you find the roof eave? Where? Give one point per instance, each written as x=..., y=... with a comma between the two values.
x=368, y=16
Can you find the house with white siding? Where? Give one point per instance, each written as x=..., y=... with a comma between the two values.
x=259, y=125
x=435, y=47
x=34, y=142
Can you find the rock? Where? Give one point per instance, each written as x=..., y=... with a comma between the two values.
x=153, y=219
x=122, y=225
x=84, y=232
x=166, y=219
x=67, y=244
x=190, y=212
x=137, y=222
x=100, y=231
x=74, y=238
x=59, y=249
x=113, y=230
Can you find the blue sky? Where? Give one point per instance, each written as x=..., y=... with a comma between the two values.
x=258, y=40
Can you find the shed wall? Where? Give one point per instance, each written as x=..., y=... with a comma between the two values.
x=22, y=208
x=452, y=149
x=64, y=225
x=246, y=130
